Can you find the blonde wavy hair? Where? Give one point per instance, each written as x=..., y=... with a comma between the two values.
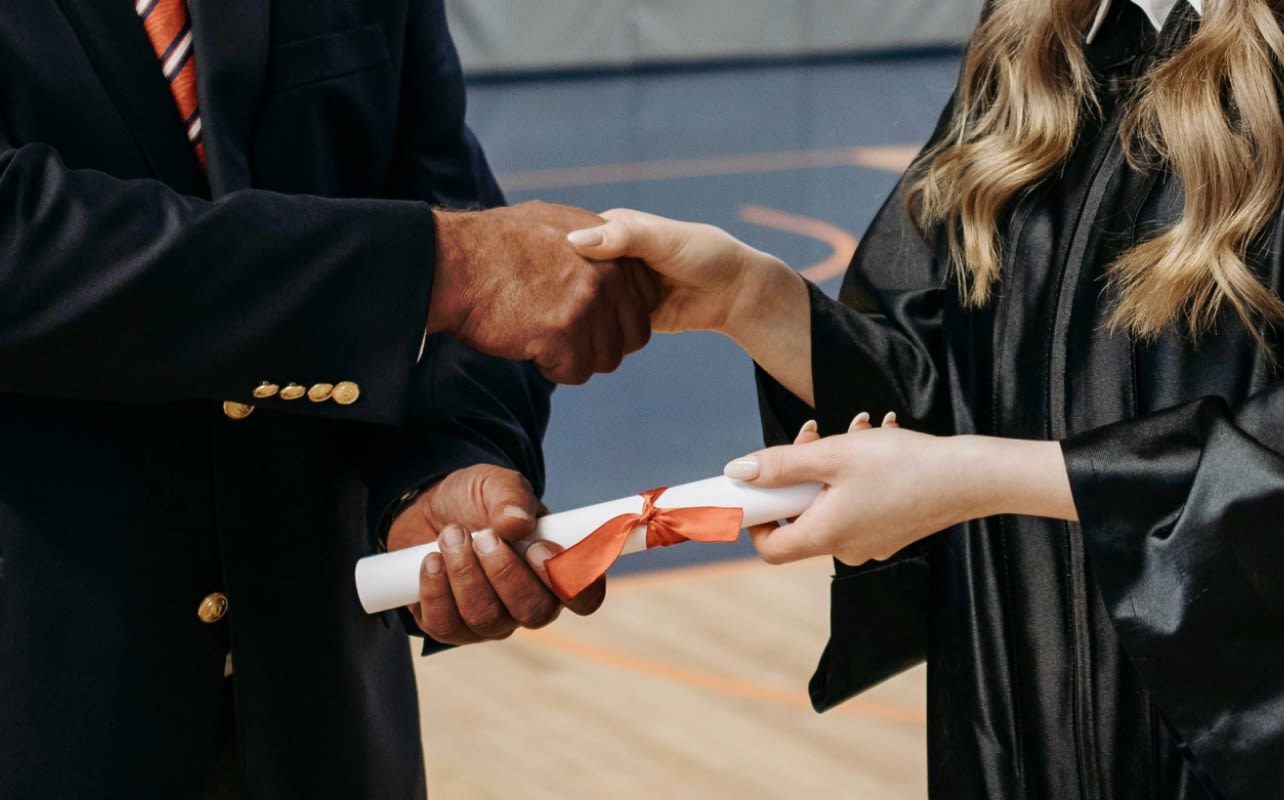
x=1209, y=112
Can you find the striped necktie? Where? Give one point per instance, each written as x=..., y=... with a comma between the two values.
x=170, y=30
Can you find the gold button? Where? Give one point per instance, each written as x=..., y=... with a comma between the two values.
x=321, y=392
x=233, y=410
x=213, y=608
x=346, y=393
x=293, y=391
x=265, y=390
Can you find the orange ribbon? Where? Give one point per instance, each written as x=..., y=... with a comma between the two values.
x=575, y=569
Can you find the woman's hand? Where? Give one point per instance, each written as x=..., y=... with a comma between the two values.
x=887, y=488
x=711, y=281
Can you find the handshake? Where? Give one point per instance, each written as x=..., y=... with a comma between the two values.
x=510, y=283
x=574, y=293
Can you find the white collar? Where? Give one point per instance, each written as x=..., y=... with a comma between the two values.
x=1156, y=10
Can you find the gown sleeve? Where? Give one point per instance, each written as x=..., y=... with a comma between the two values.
x=876, y=349
x=1183, y=517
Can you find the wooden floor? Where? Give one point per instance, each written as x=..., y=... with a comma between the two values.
x=689, y=683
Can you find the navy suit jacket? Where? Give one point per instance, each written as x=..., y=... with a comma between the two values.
x=136, y=299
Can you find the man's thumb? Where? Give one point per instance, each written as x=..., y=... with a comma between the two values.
x=510, y=504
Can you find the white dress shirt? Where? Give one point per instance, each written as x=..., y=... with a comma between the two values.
x=1156, y=10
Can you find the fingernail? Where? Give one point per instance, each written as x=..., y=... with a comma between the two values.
x=809, y=426
x=742, y=469
x=486, y=542
x=516, y=512
x=589, y=237
x=433, y=563
x=538, y=554
x=890, y=418
x=861, y=419
x=452, y=538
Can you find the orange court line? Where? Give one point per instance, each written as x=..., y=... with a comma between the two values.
x=695, y=679
x=893, y=158
x=843, y=244
x=700, y=573
x=687, y=574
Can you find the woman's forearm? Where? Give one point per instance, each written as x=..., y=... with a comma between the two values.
x=771, y=321
x=770, y=318
x=1012, y=476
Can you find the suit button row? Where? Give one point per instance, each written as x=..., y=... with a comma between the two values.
x=345, y=394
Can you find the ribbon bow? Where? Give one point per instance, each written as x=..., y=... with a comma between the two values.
x=573, y=570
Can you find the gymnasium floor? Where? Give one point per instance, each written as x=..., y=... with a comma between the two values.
x=691, y=682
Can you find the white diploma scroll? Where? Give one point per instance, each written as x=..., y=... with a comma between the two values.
x=391, y=580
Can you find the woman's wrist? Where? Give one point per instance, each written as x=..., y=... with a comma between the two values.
x=770, y=320
x=1010, y=476
x=762, y=292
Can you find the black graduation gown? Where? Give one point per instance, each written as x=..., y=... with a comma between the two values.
x=1139, y=653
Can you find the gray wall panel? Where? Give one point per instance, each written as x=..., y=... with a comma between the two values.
x=532, y=35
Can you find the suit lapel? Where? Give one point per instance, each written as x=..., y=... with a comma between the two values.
x=231, y=60
x=114, y=39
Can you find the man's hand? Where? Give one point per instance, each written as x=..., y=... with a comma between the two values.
x=510, y=285
x=480, y=589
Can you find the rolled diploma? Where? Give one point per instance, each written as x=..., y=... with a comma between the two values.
x=391, y=580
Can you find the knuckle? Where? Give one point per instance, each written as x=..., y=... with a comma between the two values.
x=772, y=466
x=577, y=374
x=549, y=359
x=438, y=628
x=500, y=636
x=462, y=569
x=540, y=612
x=523, y=484
x=611, y=274
x=484, y=485
x=461, y=637
x=611, y=363
x=772, y=557
x=615, y=236
x=514, y=489
x=488, y=620
x=498, y=632
x=509, y=572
